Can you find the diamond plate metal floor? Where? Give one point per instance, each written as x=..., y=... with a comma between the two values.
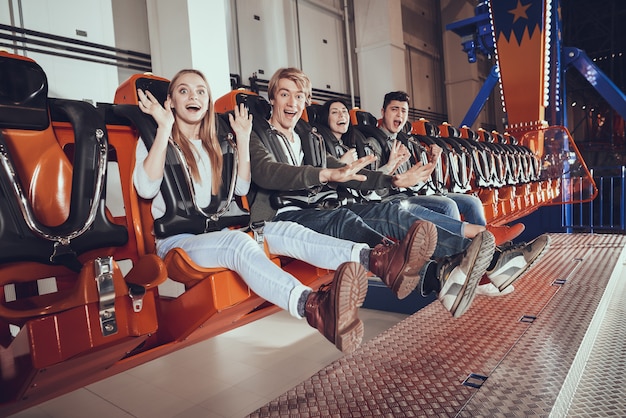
x=601, y=390
x=518, y=355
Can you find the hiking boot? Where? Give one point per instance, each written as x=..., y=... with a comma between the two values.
x=399, y=264
x=460, y=274
x=333, y=309
x=504, y=233
x=514, y=260
x=489, y=289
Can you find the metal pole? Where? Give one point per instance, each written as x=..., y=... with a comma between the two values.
x=623, y=198
x=348, y=50
x=591, y=211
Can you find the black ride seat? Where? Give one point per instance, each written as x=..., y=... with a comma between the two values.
x=213, y=297
x=61, y=213
x=54, y=225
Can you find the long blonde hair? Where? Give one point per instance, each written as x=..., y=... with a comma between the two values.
x=208, y=136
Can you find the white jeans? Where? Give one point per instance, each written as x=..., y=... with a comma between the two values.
x=237, y=251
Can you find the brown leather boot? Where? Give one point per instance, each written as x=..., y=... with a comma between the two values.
x=398, y=264
x=333, y=309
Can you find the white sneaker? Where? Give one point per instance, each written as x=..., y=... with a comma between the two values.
x=459, y=275
x=489, y=289
x=514, y=260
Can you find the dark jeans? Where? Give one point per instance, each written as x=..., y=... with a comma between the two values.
x=369, y=223
x=339, y=223
x=393, y=221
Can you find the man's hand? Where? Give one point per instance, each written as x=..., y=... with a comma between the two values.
x=348, y=172
x=398, y=155
x=419, y=173
x=435, y=153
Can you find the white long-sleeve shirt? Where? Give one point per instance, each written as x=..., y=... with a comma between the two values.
x=151, y=189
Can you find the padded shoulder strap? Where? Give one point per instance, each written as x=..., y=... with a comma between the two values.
x=366, y=124
x=181, y=215
x=17, y=242
x=312, y=144
x=87, y=226
x=413, y=145
x=333, y=146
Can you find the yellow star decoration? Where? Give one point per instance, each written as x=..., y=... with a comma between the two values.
x=520, y=11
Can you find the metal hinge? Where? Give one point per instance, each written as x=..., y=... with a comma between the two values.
x=106, y=291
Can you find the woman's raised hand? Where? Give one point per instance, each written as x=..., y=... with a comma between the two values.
x=241, y=123
x=350, y=156
x=163, y=116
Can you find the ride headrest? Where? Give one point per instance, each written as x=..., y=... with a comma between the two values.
x=448, y=131
x=467, y=133
x=126, y=93
x=23, y=93
x=511, y=139
x=313, y=112
x=498, y=138
x=432, y=129
x=484, y=135
x=158, y=88
x=425, y=128
x=366, y=119
x=257, y=105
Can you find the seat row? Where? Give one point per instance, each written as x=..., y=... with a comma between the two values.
x=509, y=177
x=82, y=293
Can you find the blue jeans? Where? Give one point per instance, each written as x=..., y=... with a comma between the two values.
x=369, y=223
x=392, y=220
x=471, y=207
x=438, y=203
x=441, y=212
x=237, y=251
x=455, y=204
x=340, y=223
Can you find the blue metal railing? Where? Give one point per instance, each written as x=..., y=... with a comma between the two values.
x=606, y=213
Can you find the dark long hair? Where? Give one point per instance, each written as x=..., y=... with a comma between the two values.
x=348, y=137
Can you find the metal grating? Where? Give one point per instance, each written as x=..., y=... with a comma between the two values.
x=515, y=367
x=601, y=390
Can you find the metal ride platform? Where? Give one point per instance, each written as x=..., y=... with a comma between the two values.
x=553, y=347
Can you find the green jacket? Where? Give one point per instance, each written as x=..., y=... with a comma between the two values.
x=269, y=176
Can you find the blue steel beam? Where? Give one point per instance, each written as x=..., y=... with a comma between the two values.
x=481, y=98
x=599, y=81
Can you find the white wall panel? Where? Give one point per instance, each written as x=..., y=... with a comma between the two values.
x=322, y=47
x=425, y=88
x=130, y=22
x=267, y=40
x=299, y=33
x=5, y=12
x=71, y=78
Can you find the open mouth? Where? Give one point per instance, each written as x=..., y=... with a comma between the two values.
x=290, y=113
